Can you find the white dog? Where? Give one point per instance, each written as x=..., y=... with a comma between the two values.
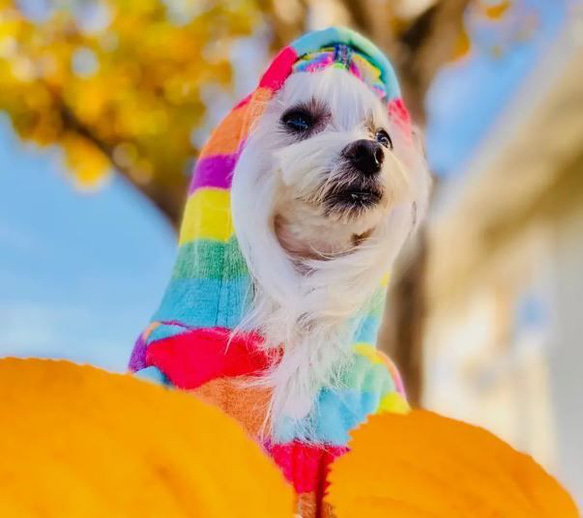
x=325, y=194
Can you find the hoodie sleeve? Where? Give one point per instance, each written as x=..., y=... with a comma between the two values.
x=185, y=358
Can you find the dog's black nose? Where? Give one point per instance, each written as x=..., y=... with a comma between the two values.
x=365, y=155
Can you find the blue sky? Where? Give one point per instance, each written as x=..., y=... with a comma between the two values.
x=81, y=274
x=466, y=98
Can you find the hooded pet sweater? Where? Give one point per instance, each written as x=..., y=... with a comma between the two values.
x=188, y=345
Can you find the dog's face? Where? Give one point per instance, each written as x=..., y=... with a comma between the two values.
x=333, y=149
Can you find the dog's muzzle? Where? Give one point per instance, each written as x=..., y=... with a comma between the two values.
x=358, y=186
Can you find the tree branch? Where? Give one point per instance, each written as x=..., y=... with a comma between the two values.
x=426, y=45
x=168, y=198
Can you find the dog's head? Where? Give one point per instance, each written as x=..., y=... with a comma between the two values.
x=337, y=163
x=327, y=181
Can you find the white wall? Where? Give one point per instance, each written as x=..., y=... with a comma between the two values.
x=566, y=355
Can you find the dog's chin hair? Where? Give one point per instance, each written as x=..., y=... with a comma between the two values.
x=310, y=312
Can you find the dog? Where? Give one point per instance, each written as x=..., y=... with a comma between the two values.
x=299, y=204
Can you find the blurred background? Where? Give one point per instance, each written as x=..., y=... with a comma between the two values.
x=104, y=104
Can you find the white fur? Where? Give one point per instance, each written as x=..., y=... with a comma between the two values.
x=310, y=278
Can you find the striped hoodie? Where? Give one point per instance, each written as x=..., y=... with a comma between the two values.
x=185, y=345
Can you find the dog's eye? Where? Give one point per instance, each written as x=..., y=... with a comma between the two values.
x=298, y=120
x=382, y=137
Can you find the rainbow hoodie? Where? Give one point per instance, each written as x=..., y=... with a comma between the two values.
x=185, y=346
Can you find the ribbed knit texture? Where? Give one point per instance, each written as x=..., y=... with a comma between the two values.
x=185, y=346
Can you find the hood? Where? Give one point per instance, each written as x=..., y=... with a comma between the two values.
x=210, y=284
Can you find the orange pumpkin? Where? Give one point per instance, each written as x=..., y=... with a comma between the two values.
x=422, y=464
x=77, y=441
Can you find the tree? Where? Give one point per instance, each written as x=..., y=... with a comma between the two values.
x=118, y=84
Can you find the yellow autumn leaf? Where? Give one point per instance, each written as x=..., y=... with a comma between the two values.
x=462, y=45
x=77, y=441
x=139, y=74
x=421, y=464
x=91, y=98
x=497, y=10
x=87, y=163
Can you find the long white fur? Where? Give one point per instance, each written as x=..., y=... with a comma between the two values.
x=309, y=305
